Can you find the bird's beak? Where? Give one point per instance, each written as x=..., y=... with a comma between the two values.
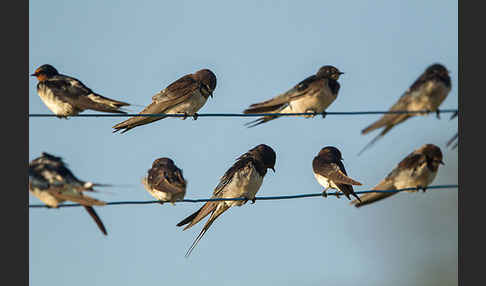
x=34, y=74
x=211, y=94
x=341, y=73
x=441, y=162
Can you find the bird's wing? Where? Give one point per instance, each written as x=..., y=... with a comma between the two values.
x=412, y=161
x=391, y=119
x=333, y=172
x=240, y=163
x=166, y=180
x=347, y=189
x=281, y=101
x=366, y=199
x=177, y=92
x=74, y=92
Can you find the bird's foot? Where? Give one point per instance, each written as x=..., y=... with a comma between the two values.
x=185, y=116
x=421, y=188
x=246, y=199
x=323, y=114
x=324, y=194
x=337, y=195
x=311, y=113
x=161, y=202
x=195, y=116
x=437, y=113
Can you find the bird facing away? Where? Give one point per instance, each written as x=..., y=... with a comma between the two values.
x=66, y=96
x=165, y=181
x=185, y=96
x=426, y=93
x=417, y=170
x=53, y=183
x=330, y=172
x=312, y=95
x=242, y=180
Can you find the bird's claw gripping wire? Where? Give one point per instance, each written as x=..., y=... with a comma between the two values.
x=421, y=188
x=247, y=199
x=324, y=193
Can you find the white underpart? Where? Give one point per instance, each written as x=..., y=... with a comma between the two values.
x=245, y=183
x=325, y=182
x=57, y=106
x=190, y=106
x=60, y=184
x=316, y=102
x=46, y=197
x=161, y=195
x=421, y=177
x=437, y=93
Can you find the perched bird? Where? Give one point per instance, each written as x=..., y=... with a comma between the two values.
x=165, y=181
x=242, y=180
x=312, y=95
x=330, y=173
x=53, y=183
x=66, y=96
x=186, y=96
x=417, y=170
x=426, y=93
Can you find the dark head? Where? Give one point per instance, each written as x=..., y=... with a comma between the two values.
x=265, y=154
x=329, y=72
x=433, y=154
x=330, y=153
x=162, y=162
x=208, y=80
x=44, y=72
x=437, y=69
x=48, y=159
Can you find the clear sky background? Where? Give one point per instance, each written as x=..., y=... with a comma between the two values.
x=130, y=50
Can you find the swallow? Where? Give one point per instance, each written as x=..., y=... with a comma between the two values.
x=66, y=96
x=329, y=172
x=185, y=96
x=417, y=170
x=165, y=181
x=53, y=183
x=426, y=93
x=312, y=95
x=242, y=180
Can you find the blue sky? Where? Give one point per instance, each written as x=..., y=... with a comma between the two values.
x=130, y=50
